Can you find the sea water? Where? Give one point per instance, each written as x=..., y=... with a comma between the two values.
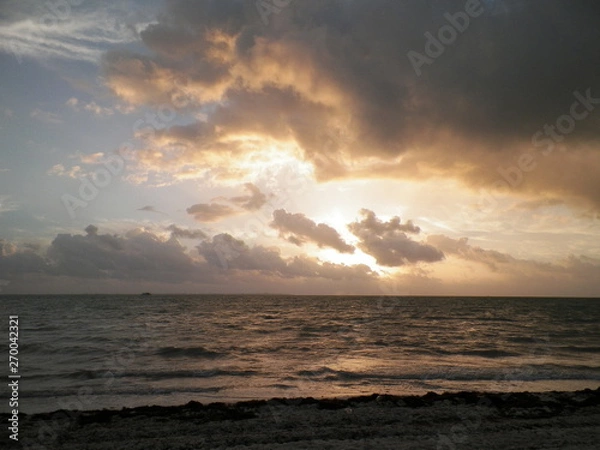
x=93, y=352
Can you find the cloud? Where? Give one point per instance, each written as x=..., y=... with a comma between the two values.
x=226, y=252
x=150, y=208
x=373, y=224
x=46, y=116
x=93, y=158
x=462, y=249
x=138, y=255
x=252, y=202
x=142, y=256
x=93, y=107
x=388, y=242
x=297, y=229
x=572, y=275
x=15, y=261
x=75, y=33
x=6, y=248
x=59, y=170
x=223, y=263
x=91, y=230
x=7, y=204
x=177, y=232
x=531, y=205
x=73, y=103
x=349, y=100
x=211, y=212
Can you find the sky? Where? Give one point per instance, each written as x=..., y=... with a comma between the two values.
x=381, y=147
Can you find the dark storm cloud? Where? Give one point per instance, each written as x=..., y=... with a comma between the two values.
x=336, y=79
x=388, y=242
x=297, y=229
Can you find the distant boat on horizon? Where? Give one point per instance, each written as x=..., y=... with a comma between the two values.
x=143, y=294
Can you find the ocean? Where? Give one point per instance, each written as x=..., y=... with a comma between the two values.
x=111, y=351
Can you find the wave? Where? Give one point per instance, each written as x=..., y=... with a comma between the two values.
x=42, y=328
x=526, y=373
x=141, y=391
x=162, y=375
x=281, y=386
x=523, y=340
x=488, y=353
x=580, y=349
x=188, y=352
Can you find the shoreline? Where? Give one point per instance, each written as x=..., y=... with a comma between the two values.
x=536, y=420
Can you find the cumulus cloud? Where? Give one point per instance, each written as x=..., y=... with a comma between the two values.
x=141, y=255
x=16, y=261
x=388, y=242
x=375, y=225
x=177, y=232
x=350, y=99
x=226, y=252
x=138, y=255
x=113, y=263
x=91, y=230
x=297, y=229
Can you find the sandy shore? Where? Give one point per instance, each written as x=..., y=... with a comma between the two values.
x=550, y=420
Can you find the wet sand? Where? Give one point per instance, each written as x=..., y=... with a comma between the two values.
x=548, y=420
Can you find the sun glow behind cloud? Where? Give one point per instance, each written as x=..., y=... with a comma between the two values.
x=272, y=160
x=307, y=122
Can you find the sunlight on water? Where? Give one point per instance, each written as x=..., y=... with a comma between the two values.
x=114, y=351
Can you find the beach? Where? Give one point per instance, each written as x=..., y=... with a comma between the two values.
x=323, y=372
x=546, y=420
